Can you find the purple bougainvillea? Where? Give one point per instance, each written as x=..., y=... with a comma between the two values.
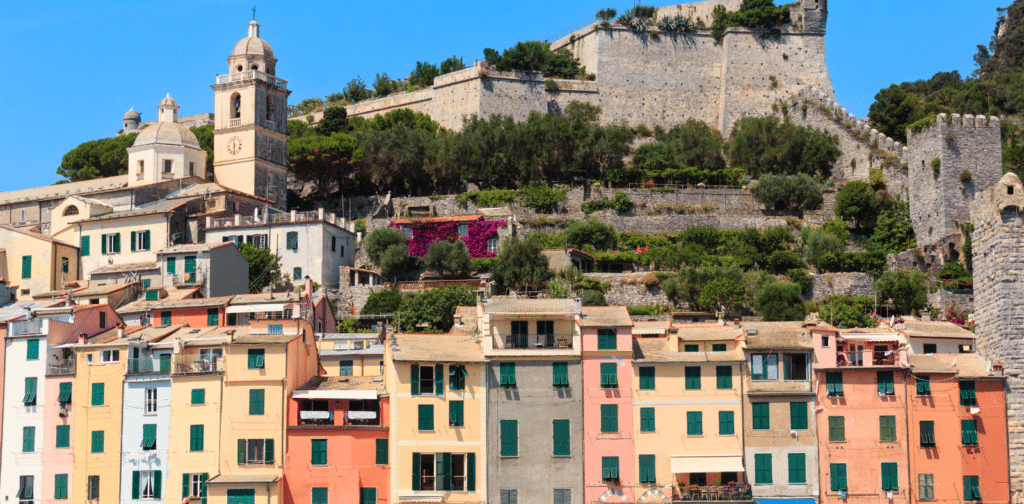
x=426, y=232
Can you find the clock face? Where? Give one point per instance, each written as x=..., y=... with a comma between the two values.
x=234, y=145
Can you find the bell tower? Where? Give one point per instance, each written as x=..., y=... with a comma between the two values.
x=250, y=135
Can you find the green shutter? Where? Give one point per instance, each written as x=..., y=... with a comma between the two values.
x=797, y=415
x=560, y=435
x=886, y=385
x=609, y=418
x=32, y=349
x=426, y=417
x=559, y=374
x=507, y=374
x=256, y=401
x=647, y=469
x=157, y=483
x=97, y=441
x=256, y=356
x=609, y=375
x=887, y=428
x=28, y=439
x=134, y=235
x=197, y=435
x=438, y=379
x=927, y=433
x=416, y=470
x=924, y=385
x=318, y=495
x=60, y=486
x=443, y=475
x=609, y=468
x=726, y=423
x=382, y=451
x=171, y=265
x=797, y=468
x=165, y=318
x=694, y=423
x=834, y=384
x=30, y=391
x=718, y=347
x=103, y=243
x=268, y=451
x=762, y=468
x=692, y=377
x=760, y=414
x=198, y=396
x=509, y=438
x=212, y=317
x=647, y=378
x=84, y=249
x=457, y=377
x=186, y=485
x=241, y=452
x=367, y=496
x=723, y=377
x=190, y=264
x=135, y=484
x=148, y=436
x=117, y=243
x=691, y=348
x=292, y=239
x=152, y=295
x=455, y=414
x=836, y=428
x=647, y=420
x=64, y=396
x=971, y=489
x=890, y=478
x=414, y=379
x=297, y=273
x=837, y=474
x=318, y=450
x=97, y=394
x=145, y=240
x=63, y=436
x=606, y=339
x=967, y=394
x=968, y=432
x=471, y=472
x=26, y=266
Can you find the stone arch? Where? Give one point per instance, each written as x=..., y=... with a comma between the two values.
x=70, y=210
x=613, y=492
x=236, y=106
x=654, y=496
x=255, y=67
x=270, y=107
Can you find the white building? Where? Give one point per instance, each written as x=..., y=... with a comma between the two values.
x=165, y=150
x=21, y=463
x=217, y=269
x=145, y=420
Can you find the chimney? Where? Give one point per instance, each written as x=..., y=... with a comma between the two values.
x=320, y=213
x=231, y=334
x=736, y=323
x=82, y=338
x=120, y=332
x=458, y=320
x=307, y=290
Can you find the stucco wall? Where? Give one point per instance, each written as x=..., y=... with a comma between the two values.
x=13, y=462
x=133, y=457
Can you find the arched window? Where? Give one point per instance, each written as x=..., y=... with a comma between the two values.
x=239, y=68
x=256, y=67
x=236, y=106
x=270, y=108
x=70, y=210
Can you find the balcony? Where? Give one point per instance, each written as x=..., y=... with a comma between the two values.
x=252, y=75
x=31, y=326
x=194, y=364
x=188, y=279
x=852, y=353
x=316, y=418
x=234, y=123
x=61, y=367
x=147, y=365
x=541, y=341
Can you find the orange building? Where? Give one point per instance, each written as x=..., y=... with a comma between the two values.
x=958, y=430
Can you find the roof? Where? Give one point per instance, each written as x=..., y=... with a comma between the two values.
x=454, y=218
x=571, y=250
x=263, y=339
x=99, y=290
x=142, y=304
x=927, y=364
x=196, y=302
x=131, y=114
x=660, y=350
x=253, y=45
x=606, y=316
x=193, y=248
x=470, y=321
x=167, y=133
x=564, y=307
x=168, y=102
x=968, y=365
x=38, y=236
x=772, y=335
x=65, y=190
x=125, y=267
x=210, y=188
x=344, y=383
x=18, y=310
x=276, y=297
x=651, y=327
x=141, y=334
x=160, y=207
x=436, y=348
x=708, y=332
x=921, y=329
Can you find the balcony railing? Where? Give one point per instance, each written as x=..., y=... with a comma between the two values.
x=316, y=418
x=866, y=358
x=536, y=340
x=234, y=123
x=252, y=75
x=351, y=417
x=31, y=326
x=197, y=365
x=61, y=367
x=144, y=365
x=186, y=279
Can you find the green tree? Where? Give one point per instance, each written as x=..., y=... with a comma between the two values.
x=893, y=232
x=907, y=290
x=452, y=64
x=778, y=301
x=606, y=14
x=536, y=56
x=583, y=111
x=423, y=75
x=335, y=120
x=356, y=90
x=763, y=145
x=264, y=267
x=384, y=85
x=856, y=202
x=591, y=232
x=817, y=242
x=690, y=153
x=204, y=134
x=846, y=311
x=789, y=192
x=591, y=297
x=894, y=110
x=383, y=301
x=299, y=128
x=448, y=257
x=432, y=310
x=718, y=289
x=520, y=265
x=387, y=249
x=106, y=157
x=327, y=161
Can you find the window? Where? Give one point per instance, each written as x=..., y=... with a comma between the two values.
x=609, y=468
x=692, y=377
x=103, y=317
x=967, y=395
x=408, y=232
x=151, y=398
x=927, y=433
x=797, y=415
x=108, y=356
x=971, y=490
x=256, y=358
x=930, y=348
x=563, y=496
x=726, y=423
x=318, y=495
x=647, y=378
x=546, y=328
x=63, y=436
x=149, y=436
x=797, y=468
x=890, y=478
x=762, y=468
x=31, y=384
x=560, y=374
x=194, y=485
x=256, y=451
x=198, y=396
x=97, y=441
x=690, y=348
x=455, y=414
x=764, y=367
x=834, y=384
x=64, y=263
x=795, y=366
x=26, y=488
x=887, y=429
x=256, y=401
x=110, y=243
x=140, y=240
x=60, y=486
x=426, y=417
x=886, y=387
x=296, y=274
x=26, y=266
x=168, y=166
x=492, y=245
x=969, y=432
x=146, y=484
x=165, y=318
x=463, y=230
x=427, y=379
x=28, y=439
x=319, y=452
x=345, y=368
x=924, y=385
x=509, y=497
x=84, y=246
x=836, y=429
x=647, y=469
x=718, y=347
x=423, y=471
x=609, y=418
x=196, y=438
x=382, y=451
x=32, y=349
x=609, y=375
x=837, y=475
x=606, y=339
x=97, y=394
x=560, y=436
x=334, y=243
x=647, y=420
x=694, y=423
x=64, y=393
x=509, y=438
x=759, y=412
x=292, y=240
x=367, y=496
x=723, y=377
x=507, y=378
x=171, y=265
x=926, y=486
x=92, y=491
x=212, y=317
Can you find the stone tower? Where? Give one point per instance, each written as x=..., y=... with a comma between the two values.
x=998, y=250
x=815, y=15
x=250, y=128
x=948, y=162
x=130, y=121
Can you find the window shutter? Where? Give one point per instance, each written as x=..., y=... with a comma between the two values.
x=885, y=383
x=609, y=418
x=26, y=266
x=186, y=485
x=202, y=486
x=560, y=438
x=318, y=495
x=887, y=428
x=797, y=415
x=28, y=439
x=256, y=406
x=762, y=468
x=890, y=480
x=426, y=417
x=32, y=350
x=65, y=393
x=694, y=423
x=927, y=433
x=836, y=428
x=133, y=240
x=241, y=451
x=117, y=243
x=145, y=240
x=97, y=394
x=692, y=377
x=455, y=413
x=438, y=379
x=723, y=377
x=135, y=485
x=797, y=468
x=416, y=470
x=609, y=375
x=414, y=379
x=834, y=383
x=293, y=240
x=761, y=420
x=198, y=396
x=103, y=243
x=382, y=451
x=190, y=264
x=84, y=249
x=560, y=374
x=212, y=317
x=837, y=475
x=157, y=483
x=471, y=472
x=171, y=265
x=647, y=378
x=969, y=432
x=509, y=438
x=268, y=451
x=60, y=486
x=647, y=472
x=63, y=437
x=726, y=423
x=444, y=472
x=924, y=385
x=647, y=420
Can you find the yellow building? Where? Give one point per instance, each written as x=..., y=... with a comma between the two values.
x=687, y=400
x=36, y=263
x=261, y=367
x=351, y=354
x=438, y=399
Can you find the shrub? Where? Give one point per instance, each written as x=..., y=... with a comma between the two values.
x=593, y=298
x=907, y=290
x=387, y=249
x=801, y=278
x=650, y=280
x=936, y=165
x=954, y=271
x=848, y=262
x=550, y=85
x=606, y=14
x=540, y=197
x=481, y=265
x=966, y=177
x=950, y=138
x=591, y=232
x=384, y=301
x=620, y=203
x=361, y=226
x=818, y=242
x=643, y=131
x=779, y=301
x=655, y=309
x=846, y=311
x=856, y=202
x=766, y=145
x=782, y=261
x=788, y=192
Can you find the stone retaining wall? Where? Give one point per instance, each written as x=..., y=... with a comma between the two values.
x=841, y=284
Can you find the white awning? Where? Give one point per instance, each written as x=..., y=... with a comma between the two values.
x=361, y=415
x=334, y=394
x=256, y=308
x=314, y=415
x=706, y=463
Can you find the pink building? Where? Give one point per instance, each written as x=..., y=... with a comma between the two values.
x=608, y=459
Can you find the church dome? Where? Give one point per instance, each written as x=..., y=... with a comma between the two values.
x=131, y=114
x=167, y=133
x=168, y=102
x=253, y=45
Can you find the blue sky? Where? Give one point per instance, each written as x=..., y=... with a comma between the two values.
x=71, y=70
